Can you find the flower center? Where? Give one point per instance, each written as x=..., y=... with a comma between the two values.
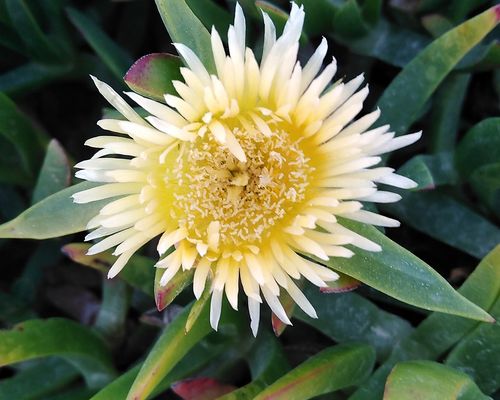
x=241, y=201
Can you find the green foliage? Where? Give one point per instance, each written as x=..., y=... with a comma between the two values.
x=432, y=65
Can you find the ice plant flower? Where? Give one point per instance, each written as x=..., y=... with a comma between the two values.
x=243, y=171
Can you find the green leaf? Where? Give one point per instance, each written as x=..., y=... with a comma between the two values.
x=111, y=319
x=387, y=42
x=419, y=79
x=400, y=274
x=13, y=310
x=112, y=55
x=479, y=146
x=30, y=76
x=37, y=43
x=267, y=362
x=44, y=378
x=195, y=359
x=315, y=22
x=139, y=271
x=446, y=109
x=478, y=353
x=211, y=14
x=18, y=129
x=330, y=370
x=485, y=181
x=164, y=295
x=54, y=216
x=55, y=173
x=171, y=347
x=348, y=316
x=58, y=337
x=73, y=394
x=430, y=381
x=439, y=332
x=430, y=171
x=152, y=75
x=442, y=217
x=348, y=20
x=184, y=27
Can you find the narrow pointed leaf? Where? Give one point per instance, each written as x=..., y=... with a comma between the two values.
x=419, y=79
x=169, y=349
x=184, y=27
x=430, y=381
x=18, y=130
x=478, y=353
x=400, y=274
x=479, y=146
x=442, y=217
x=164, y=295
x=55, y=173
x=58, y=337
x=112, y=55
x=439, y=332
x=54, y=216
x=38, y=381
x=346, y=317
x=152, y=75
x=330, y=370
x=267, y=361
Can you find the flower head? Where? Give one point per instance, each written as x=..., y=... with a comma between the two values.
x=243, y=171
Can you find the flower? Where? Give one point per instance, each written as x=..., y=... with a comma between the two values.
x=243, y=171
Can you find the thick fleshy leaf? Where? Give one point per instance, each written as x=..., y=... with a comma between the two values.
x=54, y=216
x=38, y=381
x=446, y=108
x=330, y=370
x=184, y=27
x=479, y=147
x=39, y=46
x=30, y=76
x=267, y=361
x=172, y=346
x=430, y=171
x=111, y=319
x=13, y=310
x=430, y=381
x=485, y=181
x=112, y=55
x=439, y=332
x=387, y=42
x=211, y=14
x=195, y=359
x=348, y=20
x=315, y=22
x=412, y=87
x=58, y=337
x=442, y=217
x=139, y=271
x=164, y=295
x=201, y=389
x=478, y=353
x=18, y=130
x=55, y=173
x=152, y=75
x=400, y=274
x=346, y=317
x=199, y=305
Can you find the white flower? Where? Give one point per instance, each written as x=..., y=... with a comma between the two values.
x=240, y=169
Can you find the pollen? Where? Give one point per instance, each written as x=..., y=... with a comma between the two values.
x=248, y=199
